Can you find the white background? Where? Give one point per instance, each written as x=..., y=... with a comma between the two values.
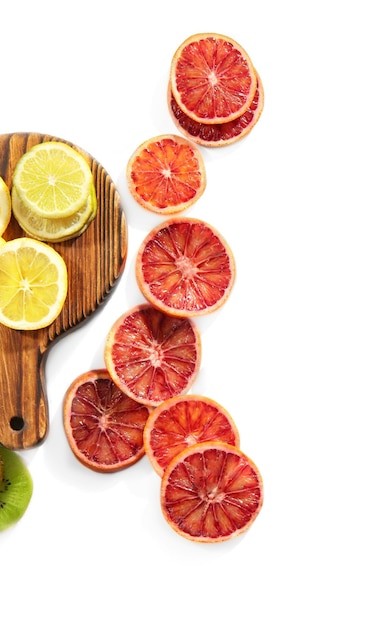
x=300, y=355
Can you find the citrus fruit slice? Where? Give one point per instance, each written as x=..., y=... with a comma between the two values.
x=212, y=78
x=103, y=426
x=217, y=135
x=5, y=206
x=33, y=284
x=185, y=267
x=166, y=174
x=54, y=229
x=53, y=179
x=183, y=421
x=211, y=492
x=152, y=356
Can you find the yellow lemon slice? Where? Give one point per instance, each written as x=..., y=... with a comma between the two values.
x=54, y=229
x=33, y=284
x=5, y=206
x=53, y=180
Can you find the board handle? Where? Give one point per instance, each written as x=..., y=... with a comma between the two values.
x=23, y=401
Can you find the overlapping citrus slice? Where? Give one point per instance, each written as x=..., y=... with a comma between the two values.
x=185, y=267
x=54, y=229
x=152, y=356
x=211, y=492
x=53, y=192
x=183, y=421
x=5, y=206
x=53, y=179
x=212, y=78
x=103, y=426
x=166, y=174
x=33, y=284
x=218, y=135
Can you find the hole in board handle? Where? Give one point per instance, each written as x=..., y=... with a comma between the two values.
x=17, y=423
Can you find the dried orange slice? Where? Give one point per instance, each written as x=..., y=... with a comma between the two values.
x=152, y=356
x=183, y=421
x=103, y=426
x=166, y=174
x=217, y=135
x=211, y=492
x=185, y=267
x=212, y=78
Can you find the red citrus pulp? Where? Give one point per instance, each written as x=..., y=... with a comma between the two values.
x=212, y=78
x=166, y=174
x=184, y=267
x=104, y=427
x=152, y=356
x=183, y=421
x=211, y=492
x=218, y=135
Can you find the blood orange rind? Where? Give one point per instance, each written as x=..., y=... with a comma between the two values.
x=103, y=426
x=217, y=135
x=152, y=356
x=166, y=174
x=212, y=78
x=211, y=492
x=182, y=421
x=185, y=267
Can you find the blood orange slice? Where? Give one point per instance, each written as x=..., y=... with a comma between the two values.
x=212, y=78
x=104, y=427
x=166, y=174
x=183, y=421
x=217, y=135
x=211, y=492
x=152, y=356
x=185, y=267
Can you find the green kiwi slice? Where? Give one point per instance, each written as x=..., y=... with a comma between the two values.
x=16, y=488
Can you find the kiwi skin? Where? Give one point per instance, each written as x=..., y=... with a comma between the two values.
x=16, y=488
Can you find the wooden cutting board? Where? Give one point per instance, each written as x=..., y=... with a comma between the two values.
x=95, y=262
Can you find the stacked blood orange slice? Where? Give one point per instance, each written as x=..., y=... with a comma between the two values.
x=210, y=490
x=182, y=421
x=215, y=95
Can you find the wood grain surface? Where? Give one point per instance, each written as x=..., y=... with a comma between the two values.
x=95, y=261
